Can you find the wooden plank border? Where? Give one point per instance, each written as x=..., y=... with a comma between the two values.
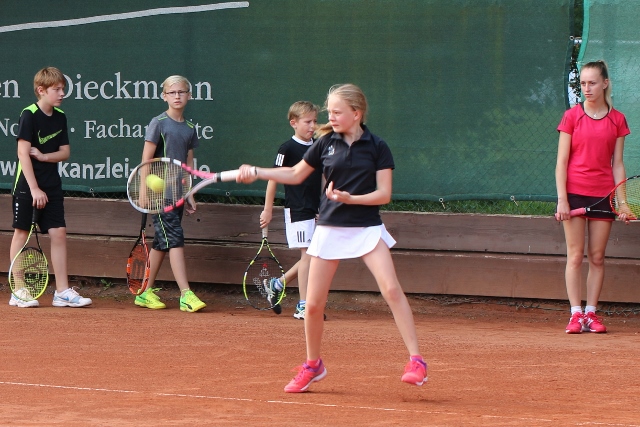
x=488, y=255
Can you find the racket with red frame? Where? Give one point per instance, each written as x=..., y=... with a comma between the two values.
x=138, y=264
x=623, y=199
x=164, y=184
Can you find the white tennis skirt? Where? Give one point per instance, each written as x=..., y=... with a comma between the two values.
x=330, y=242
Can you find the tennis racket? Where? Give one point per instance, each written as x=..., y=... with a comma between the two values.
x=29, y=270
x=138, y=264
x=163, y=184
x=257, y=282
x=624, y=198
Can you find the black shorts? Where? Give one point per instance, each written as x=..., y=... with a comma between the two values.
x=577, y=201
x=52, y=215
x=168, y=230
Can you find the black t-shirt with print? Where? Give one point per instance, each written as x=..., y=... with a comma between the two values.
x=47, y=134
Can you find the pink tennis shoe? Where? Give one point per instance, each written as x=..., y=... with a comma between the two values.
x=306, y=376
x=415, y=372
x=592, y=323
x=575, y=323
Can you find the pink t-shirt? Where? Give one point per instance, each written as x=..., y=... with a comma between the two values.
x=593, y=141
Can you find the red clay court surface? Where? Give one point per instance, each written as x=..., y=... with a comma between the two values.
x=116, y=364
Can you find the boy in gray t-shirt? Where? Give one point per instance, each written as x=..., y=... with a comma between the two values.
x=172, y=138
x=170, y=135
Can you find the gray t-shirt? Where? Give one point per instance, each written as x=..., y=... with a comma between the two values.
x=173, y=139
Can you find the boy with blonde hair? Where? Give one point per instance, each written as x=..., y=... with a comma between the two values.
x=301, y=201
x=43, y=142
x=171, y=135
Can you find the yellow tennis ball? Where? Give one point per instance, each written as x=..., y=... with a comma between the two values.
x=155, y=183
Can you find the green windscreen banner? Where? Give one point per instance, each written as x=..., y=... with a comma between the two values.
x=467, y=94
x=611, y=33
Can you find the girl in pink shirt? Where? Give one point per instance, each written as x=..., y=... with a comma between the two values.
x=589, y=165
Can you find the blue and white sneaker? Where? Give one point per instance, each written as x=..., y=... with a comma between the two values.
x=24, y=300
x=70, y=298
x=300, y=311
x=299, y=314
x=273, y=294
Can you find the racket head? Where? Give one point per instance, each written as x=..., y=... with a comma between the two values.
x=138, y=263
x=625, y=198
x=29, y=274
x=138, y=267
x=257, y=279
x=176, y=182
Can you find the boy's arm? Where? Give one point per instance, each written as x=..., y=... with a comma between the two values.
x=190, y=158
x=39, y=196
x=63, y=153
x=148, y=151
x=267, y=212
x=190, y=206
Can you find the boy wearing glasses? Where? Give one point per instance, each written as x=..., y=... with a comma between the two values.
x=171, y=135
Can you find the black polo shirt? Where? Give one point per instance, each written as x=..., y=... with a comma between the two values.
x=351, y=169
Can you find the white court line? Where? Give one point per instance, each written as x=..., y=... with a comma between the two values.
x=123, y=16
x=324, y=405
x=236, y=399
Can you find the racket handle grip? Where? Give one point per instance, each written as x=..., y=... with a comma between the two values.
x=574, y=212
x=227, y=176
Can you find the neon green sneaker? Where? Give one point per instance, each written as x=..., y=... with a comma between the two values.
x=149, y=299
x=190, y=302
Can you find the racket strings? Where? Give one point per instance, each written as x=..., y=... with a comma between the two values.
x=258, y=281
x=176, y=184
x=137, y=265
x=30, y=271
x=627, y=196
